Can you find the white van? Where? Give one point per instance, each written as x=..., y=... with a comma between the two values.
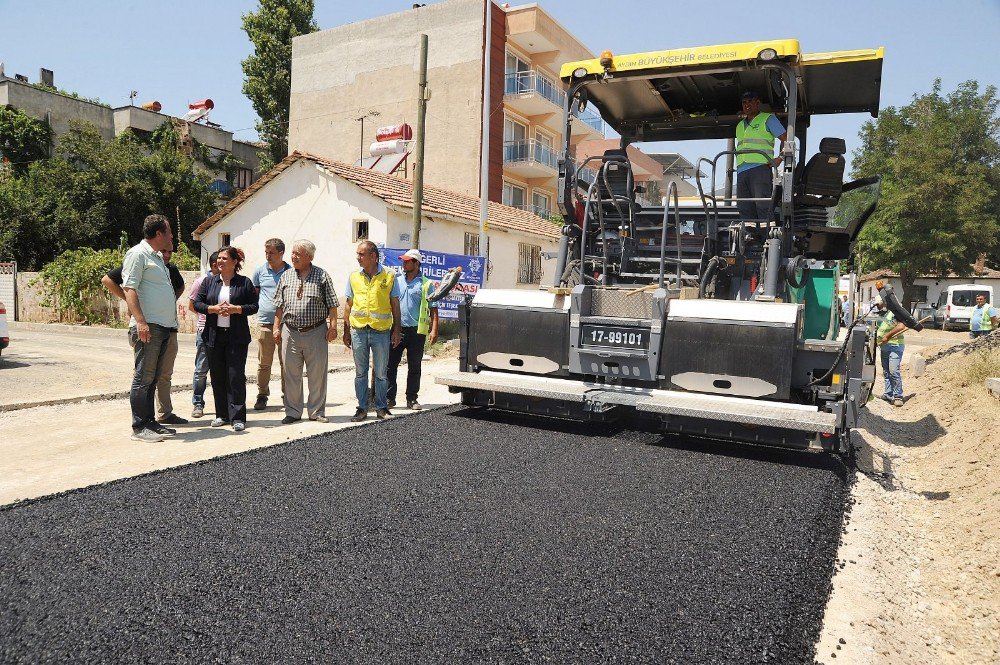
x=956, y=303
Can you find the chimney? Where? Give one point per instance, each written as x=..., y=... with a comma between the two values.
x=46, y=77
x=980, y=266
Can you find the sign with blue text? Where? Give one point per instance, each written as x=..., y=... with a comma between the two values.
x=435, y=265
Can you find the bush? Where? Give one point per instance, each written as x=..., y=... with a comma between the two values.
x=184, y=259
x=72, y=283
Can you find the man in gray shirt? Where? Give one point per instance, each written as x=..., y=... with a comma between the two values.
x=150, y=297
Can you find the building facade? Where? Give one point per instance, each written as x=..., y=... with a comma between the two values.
x=59, y=110
x=348, y=80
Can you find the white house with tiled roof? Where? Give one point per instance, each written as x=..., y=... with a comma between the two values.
x=927, y=288
x=334, y=205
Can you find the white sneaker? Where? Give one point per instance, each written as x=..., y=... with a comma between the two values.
x=146, y=436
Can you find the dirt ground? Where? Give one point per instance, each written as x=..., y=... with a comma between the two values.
x=918, y=580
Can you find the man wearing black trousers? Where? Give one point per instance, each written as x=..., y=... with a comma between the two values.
x=420, y=325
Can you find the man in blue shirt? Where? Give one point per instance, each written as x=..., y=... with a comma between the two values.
x=983, y=319
x=754, y=178
x=420, y=324
x=265, y=278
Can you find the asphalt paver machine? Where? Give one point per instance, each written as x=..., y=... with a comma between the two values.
x=684, y=314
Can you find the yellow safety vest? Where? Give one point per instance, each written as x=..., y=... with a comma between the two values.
x=986, y=323
x=424, y=322
x=887, y=324
x=370, y=302
x=754, y=136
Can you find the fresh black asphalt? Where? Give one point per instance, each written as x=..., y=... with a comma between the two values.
x=448, y=536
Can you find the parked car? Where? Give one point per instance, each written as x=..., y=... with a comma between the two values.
x=955, y=305
x=4, y=330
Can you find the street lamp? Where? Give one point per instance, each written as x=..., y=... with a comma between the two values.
x=371, y=114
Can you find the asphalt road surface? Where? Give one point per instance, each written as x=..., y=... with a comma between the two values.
x=448, y=536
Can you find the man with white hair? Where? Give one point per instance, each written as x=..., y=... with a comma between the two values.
x=305, y=322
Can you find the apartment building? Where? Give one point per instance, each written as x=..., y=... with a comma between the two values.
x=348, y=80
x=58, y=109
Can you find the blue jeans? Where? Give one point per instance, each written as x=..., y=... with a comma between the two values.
x=148, y=358
x=200, y=380
x=978, y=333
x=363, y=342
x=892, y=354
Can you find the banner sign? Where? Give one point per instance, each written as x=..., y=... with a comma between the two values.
x=434, y=266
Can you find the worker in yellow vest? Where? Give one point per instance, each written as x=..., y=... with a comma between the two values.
x=984, y=318
x=371, y=326
x=419, y=318
x=890, y=340
x=754, y=178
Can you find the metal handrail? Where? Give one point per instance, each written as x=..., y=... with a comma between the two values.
x=529, y=150
x=523, y=83
x=672, y=188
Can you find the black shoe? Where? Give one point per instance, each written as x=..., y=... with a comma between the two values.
x=173, y=419
x=382, y=414
x=359, y=415
x=288, y=420
x=260, y=404
x=390, y=403
x=161, y=430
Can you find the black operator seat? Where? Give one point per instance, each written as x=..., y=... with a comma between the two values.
x=821, y=181
x=617, y=195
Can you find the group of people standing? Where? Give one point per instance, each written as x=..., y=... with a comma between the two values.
x=296, y=307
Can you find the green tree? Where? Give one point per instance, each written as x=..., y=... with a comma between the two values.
x=939, y=158
x=23, y=139
x=268, y=69
x=94, y=190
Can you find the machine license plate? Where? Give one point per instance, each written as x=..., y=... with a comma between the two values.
x=610, y=336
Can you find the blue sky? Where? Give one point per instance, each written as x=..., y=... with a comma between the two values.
x=185, y=50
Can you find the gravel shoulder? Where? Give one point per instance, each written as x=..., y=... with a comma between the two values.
x=918, y=577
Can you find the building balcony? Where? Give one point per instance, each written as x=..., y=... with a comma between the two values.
x=531, y=93
x=530, y=159
x=588, y=124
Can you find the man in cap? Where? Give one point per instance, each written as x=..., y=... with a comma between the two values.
x=756, y=132
x=419, y=325
x=890, y=341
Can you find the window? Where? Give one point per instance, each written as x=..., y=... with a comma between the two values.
x=517, y=75
x=471, y=247
x=529, y=264
x=514, y=131
x=360, y=229
x=244, y=178
x=224, y=239
x=513, y=195
x=540, y=204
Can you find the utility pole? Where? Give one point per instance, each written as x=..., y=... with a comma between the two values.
x=418, y=167
x=484, y=158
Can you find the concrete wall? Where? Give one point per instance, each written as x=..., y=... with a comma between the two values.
x=342, y=73
x=449, y=236
x=30, y=308
x=60, y=109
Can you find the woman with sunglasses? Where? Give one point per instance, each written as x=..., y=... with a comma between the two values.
x=227, y=299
